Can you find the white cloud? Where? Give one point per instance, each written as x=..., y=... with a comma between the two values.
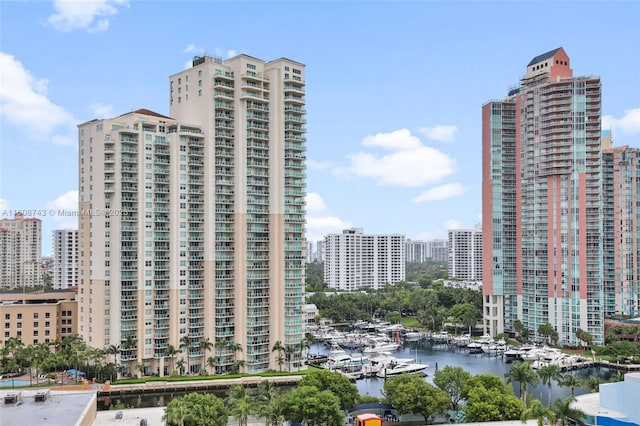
x=319, y=165
x=411, y=164
x=315, y=203
x=441, y=192
x=90, y=15
x=64, y=210
x=628, y=123
x=24, y=103
x=4, y=205
x=398, y=140
x=101, y=110
x=228, y=54
x=192, y=48
x=320, y=225
x=452, y=224
x=440, y=133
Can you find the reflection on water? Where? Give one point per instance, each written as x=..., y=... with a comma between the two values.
x=436, y=355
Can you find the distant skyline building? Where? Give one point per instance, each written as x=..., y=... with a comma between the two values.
x=423, y=251
x=20, y=252
x=438, y=250
x=465, y=253
x=542, y=203
x=354, y=260
x=203, y=236
x=320, y=251
x=65, y=258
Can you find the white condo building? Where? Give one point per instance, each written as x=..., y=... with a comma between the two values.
x=354, y=260
x=20, y=252
x=65, y=258
x=465, y=253
x=202, y=244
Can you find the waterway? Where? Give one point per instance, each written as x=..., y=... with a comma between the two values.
x=437, y=356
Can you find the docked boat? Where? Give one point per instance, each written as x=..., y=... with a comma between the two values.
x=397, y=366
x=380, y=344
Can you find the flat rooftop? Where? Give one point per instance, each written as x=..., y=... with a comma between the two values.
x=62, y=408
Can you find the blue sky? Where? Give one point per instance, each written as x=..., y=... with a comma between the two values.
x=394, y=90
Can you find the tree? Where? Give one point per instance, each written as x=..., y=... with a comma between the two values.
x=211, y=362
x=547, y=331
x=592, y=383
x=180, y=364
x=185, y=344
x=584, y=336
x=289, y=351
x=220, y=346
x=197, y=409
x=518, y=327
x=452, y=380
x=412, y=394
x=239, y=402
x=171, y=352
x=206, y=345
x=564, y=412
x=570, y=381
x=489, y=399
x=309, y=405
x=547, y=374
x=266, y=403
x=336, y=383
x=521, y=372
x=277, y=347
x=539, y=412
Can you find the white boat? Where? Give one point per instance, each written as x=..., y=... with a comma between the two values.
x=412, y=336
x=396, y=366
x=495, y=348
x=380, y=344
x=477, y=344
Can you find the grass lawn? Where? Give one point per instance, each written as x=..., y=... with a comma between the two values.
x=410, y=322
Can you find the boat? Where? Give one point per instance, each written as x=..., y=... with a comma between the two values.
x=477, y=344
x=495, y=348
x=380, y=344
x=397, y=366
x=412, y=336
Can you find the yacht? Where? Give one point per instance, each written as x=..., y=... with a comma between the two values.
x=380, y=344
x=495, y=348
x=397, y=366
x=477, y=344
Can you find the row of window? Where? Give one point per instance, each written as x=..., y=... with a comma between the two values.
x=35, y=315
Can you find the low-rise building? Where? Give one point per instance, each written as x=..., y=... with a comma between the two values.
x=39, y=317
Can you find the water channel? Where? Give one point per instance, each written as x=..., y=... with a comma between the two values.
x=437, y=356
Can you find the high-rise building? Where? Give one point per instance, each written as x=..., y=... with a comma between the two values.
x=437, y=250
x=320, y=251
x=65, y=258
x=201, y=244
x=465, y=253
x=20, y=252
x=354, y=260
x=417, y=251
x=542, y=205
x=621, y=242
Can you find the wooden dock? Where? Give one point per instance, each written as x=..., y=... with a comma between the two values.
x=193, y=385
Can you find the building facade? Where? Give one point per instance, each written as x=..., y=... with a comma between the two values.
x=542, y=205
x=20, y=252
x=203, y=246
x=39, y=317
x=621, y=241
x=65, y=258
x=465, y=253
x=438, y=250
x=354, y=260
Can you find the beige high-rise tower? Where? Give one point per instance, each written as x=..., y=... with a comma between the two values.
x=193, y=227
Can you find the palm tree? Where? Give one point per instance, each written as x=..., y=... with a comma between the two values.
x=211, y=362
x=177, y=412
x=521, y=372
x=234, y=348
x=237, y=365
x=547, y=374
x=289, y=351
x=206, y=345
x=570, y=381
x=592, y=383
x=240, y=404
x=220, y=345
x=180, y=365
x=185, y=343
x=266, y=403
x=564, y=412
x=277, y=346
x=539, y=412
x=171, y=352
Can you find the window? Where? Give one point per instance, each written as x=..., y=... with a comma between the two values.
x=35, y=315
x=35, y=324
x=7, y=316
x=19, y=325
x=19, y=316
